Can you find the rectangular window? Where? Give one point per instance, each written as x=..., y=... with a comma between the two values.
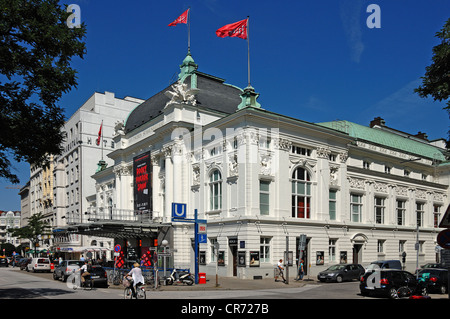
x=420, y=210
x=212, y=242
x=300, y=150
x=332, y=204
x=379, y=210
x=264, y=197
x=436, y=215
x=401, y=246
x=401, y=209
x=380, y=246
x=264, y=249
x=356, y=208
x=332, y=250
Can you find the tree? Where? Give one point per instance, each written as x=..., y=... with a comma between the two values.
x=36, y=49
x=33, y=231
x=436, y=82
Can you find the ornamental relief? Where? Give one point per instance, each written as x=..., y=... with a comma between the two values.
x=438, y=197
x=356, y=183
x=380, y=187
x=334, y=174
x=323, y=152
x=402, y=191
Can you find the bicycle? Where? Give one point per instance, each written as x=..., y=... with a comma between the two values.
x=88, y=283
x=407, y=292
x=140, y=290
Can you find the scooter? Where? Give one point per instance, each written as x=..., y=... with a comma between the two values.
x=182, y=277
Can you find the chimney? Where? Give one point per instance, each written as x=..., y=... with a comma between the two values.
x=422, y=136
x=378, y=121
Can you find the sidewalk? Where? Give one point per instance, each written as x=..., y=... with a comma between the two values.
x=233, y=283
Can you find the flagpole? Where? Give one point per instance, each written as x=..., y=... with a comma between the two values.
x=189, y=30
x=248, y=46
x=102, y=139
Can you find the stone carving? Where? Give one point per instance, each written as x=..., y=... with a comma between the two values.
x=181, y=94
x=265, y=168
x=196, y=175
x=232, y=165
x=119, y=128
x=356, y=183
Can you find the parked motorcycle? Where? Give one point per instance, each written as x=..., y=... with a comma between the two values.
x=179, y=277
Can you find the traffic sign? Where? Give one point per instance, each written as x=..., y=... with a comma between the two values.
x=202, y=228
x=202, y=238
x=443, y=239
x=445, y=221
x=117, y=248
x=178, y=210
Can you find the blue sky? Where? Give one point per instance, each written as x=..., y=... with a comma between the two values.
x=313, y=60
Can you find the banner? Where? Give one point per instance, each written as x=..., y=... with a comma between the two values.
x=142, y=180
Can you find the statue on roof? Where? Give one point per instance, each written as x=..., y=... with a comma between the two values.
x=181, y=94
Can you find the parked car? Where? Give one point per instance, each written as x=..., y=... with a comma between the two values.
x=386, y=282
x=39, y=264
x=64, y=269
x=24, y=262
x=3, y=262
x=98, y=274
x=434, y=279
x=384, y=264
x=341, y=272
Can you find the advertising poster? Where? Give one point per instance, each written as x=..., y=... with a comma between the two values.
x=254, y=259
x=142, y=180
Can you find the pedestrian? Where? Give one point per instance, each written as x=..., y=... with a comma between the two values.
x=300, y=271
x=280, y=271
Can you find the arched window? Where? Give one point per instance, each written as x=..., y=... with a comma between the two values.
x=301, y=193
x=215, y=190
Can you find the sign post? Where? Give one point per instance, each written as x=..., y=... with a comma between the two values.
x=179, y=215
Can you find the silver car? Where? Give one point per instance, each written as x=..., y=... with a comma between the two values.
x=65, y=268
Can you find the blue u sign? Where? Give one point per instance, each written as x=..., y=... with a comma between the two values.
x=178, y=210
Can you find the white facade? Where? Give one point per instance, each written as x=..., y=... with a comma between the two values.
x=261, y=179
x=9, y=220
x=79, y=161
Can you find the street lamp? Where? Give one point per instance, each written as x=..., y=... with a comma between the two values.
x=165, y=243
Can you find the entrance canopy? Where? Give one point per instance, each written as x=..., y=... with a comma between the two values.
x=112, y=229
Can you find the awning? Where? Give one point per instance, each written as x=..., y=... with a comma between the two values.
x=112, y=229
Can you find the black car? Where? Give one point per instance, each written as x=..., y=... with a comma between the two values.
x=434, y=279
x=341, y=272
x=98, y=274
x=386, y=282
x=3, y=262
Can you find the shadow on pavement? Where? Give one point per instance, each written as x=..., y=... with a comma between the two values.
x=19, y=293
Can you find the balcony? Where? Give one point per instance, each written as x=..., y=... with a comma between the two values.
x=119, y=215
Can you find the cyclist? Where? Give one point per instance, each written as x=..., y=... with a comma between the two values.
x=135, y=277
x=84, y=271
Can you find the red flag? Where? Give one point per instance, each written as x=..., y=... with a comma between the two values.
x=181, y=19
x=99, y=134
x=237, y=29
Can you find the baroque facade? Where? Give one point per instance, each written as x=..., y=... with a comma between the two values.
x=261, y=179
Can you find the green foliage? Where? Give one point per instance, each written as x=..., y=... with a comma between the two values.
x=36, y=49
x=35, y=228
x=436, y=82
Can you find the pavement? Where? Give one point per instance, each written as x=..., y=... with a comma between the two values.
x=233, y=283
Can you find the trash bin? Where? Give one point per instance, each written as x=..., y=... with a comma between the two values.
x=201, y=278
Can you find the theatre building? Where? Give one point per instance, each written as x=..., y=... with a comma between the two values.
x=260, y=179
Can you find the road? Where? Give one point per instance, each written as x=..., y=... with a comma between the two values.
x=16, y=284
